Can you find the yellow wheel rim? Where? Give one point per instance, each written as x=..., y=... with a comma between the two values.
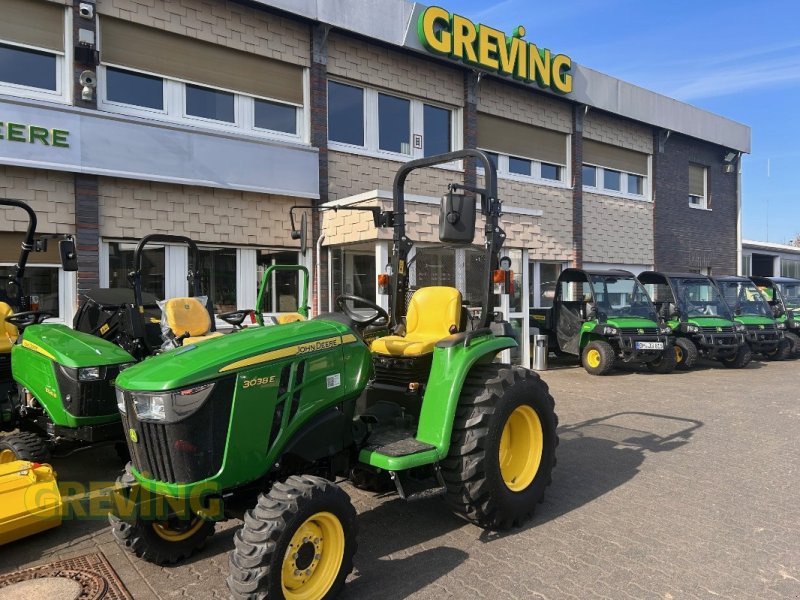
x=169, y=534
x=7, y=456
x=521, y=446
x=678, y=354
x=593, y=358
x=314, y=558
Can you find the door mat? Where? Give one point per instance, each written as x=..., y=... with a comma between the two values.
x=87, y=577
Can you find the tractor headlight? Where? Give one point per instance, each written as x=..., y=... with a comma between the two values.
x=170, y=406
x=692, y=329
x=610, y=330
x=120, y=400
x=781, y=325
x=91, y=373
x=741, y=328
x=665, y=330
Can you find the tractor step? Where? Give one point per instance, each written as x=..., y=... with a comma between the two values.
x=415, y=489
x=396, y=442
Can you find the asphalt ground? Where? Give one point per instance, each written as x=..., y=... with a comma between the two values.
x=667, y=487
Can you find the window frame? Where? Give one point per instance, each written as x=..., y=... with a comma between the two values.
x=63, y=91
x=599, y=187
x=371, y=116
x=66, y=287
x=703, y=200
x=504, y=172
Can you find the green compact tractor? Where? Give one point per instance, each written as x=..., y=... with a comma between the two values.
x=763, y=334
x=259, y=424
x=603, y=316
x=783, y=294
x=700, y=319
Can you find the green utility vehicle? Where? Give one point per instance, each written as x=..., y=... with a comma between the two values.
x=783, y=295
x=700, y=319
x=763, y=334
x=267, y=419
x=603, y=316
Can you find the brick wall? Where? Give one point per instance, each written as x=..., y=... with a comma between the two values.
x=609, y=129
x=617, y=230
x=229, y=24
x=380, y=66
x=50, y=193
x=131, y=209
x=687, y=238
x=519, y=104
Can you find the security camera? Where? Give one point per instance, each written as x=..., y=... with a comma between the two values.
x=86, y=10
x=88, y=79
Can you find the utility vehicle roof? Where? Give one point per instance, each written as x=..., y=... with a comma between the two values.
x=572, y=274
x=651, y=274
x=733, y=278
x=776, y=279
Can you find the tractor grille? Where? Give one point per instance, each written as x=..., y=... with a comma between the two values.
x=400, y=371
x=721, y=329
x=764, y=328
x=87, y=398
x=188, y=450
x=639, y=330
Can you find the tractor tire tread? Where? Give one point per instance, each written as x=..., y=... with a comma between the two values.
x=26, y=445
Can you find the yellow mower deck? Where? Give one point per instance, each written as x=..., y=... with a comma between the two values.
x=29, y=499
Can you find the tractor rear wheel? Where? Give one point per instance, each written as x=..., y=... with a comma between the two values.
x=598, y=357
x=686, y=353
x=24, y=445
x=741, y=359
x=297, y=543
x=503, y=446
x=795, y=341
x=158, y=541
x=663, y=364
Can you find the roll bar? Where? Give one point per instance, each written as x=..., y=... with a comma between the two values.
x=135, y=276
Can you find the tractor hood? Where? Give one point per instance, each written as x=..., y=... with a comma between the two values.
x=709, y=322
x=72, y=348
x=631, y=322
x=228, y=353
x=754, y=320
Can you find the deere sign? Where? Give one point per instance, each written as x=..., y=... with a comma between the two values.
x=459, y=38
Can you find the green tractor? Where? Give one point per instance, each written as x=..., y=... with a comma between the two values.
x=763, y=333
x=603, y=316
x=259, y=424
x=700, y=319
x=783, y=295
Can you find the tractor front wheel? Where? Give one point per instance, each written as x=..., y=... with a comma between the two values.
x=165, y=541
x=741, y=359
x=503, y=446
x=663, y=364
x=686, y=353
x=297, y=543
x=794, y=339
x=24, y=445
x=598, y=357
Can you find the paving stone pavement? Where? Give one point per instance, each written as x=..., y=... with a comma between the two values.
x=667, y=487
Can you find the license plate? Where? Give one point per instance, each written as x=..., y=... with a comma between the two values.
x=649, y=345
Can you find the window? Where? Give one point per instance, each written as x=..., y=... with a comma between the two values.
x=39, y=282
x=378, y=122
x=614, y=169
x=698, y=197
x=790, y=268
x=217, y=270
x=523, y=150
x=747, y=265
x=353, y=273
x=209, y=104
x=282, y=294
x=394, y=124
x=345, y=113
x=144, y=70
x=120, y=263
x=32, y=49
x=135, y=89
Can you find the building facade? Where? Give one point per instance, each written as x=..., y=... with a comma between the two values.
x=767, y=259
x=212, y=118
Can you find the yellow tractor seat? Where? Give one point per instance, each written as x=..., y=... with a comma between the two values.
x=289, y=318
x=433, y=314
x=8, y=333
x=188, y=320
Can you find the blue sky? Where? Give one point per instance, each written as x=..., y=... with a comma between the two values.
x=735, y=58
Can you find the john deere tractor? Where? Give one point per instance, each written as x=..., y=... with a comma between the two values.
x=763, y=334
x=260, y=424
x=603, y=316
x=783, y=295
x=700, y=319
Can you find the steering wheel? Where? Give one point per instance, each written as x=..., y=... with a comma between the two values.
x=358, y=319
x=21, y=320
x=235, y=317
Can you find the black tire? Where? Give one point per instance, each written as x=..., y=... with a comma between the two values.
x=794, y=339
x=598, y=358
x=782, y=352
x=739, y=360
x=686, y=353
x=141, y=536
x=263, y=542
x=665, y=363
x=476, y=488
x=25, y=445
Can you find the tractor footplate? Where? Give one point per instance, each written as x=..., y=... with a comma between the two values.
x=414, y=489
x=396, y=442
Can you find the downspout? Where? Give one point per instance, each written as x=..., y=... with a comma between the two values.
x=318, y=273
x=739, y=268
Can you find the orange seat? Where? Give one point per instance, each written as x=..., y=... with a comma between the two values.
x=188, y=319
x=432, y=312
x=8, y=333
